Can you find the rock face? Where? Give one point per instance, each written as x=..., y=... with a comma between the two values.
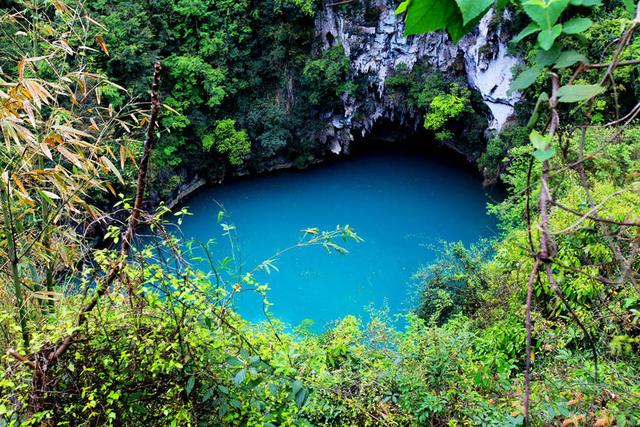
x=375, y=49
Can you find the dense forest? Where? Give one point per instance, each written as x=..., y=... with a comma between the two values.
x=108, y=108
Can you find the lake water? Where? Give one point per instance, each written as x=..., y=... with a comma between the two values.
x=403, y=202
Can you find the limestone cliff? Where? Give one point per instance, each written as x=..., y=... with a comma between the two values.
x=376, y=47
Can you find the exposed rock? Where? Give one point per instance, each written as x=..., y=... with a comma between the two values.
x=491, y=74
x=375, y=50
x=185, y=190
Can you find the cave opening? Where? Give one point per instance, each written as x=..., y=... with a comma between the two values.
x=392, y=136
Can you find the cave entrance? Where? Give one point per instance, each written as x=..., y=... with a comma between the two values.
x=392, y=136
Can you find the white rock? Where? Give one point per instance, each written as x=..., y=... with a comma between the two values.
x=376, y=52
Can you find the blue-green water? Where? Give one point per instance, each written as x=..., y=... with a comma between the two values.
x=403, y=203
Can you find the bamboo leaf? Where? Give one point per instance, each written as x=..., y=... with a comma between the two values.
x=102, y=45
x=70, y=156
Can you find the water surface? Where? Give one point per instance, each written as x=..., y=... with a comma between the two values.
x=403, y=202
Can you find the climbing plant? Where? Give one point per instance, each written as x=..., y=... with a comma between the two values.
x=551, y=21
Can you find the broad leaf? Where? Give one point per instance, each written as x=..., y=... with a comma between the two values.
x=536, y=111
x=529, y=29
x=569, y=58
x=234, y=361
x=546, y=38
x=457, y=30
x=578, y=93
x=544, y=155
x=425, y=16
x=239, y=378
x=296, y=386
x=539, y=141
x=631, y=7
x=190, y=383
x=525, y=79
x=589, y=3
x=577, y=25
x=207, y=395
x=545, y=58
x=471, y=9
x=545, y=13
x=543, y=145
x=301, y=397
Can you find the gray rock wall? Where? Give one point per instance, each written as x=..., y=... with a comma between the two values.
x=375, y=50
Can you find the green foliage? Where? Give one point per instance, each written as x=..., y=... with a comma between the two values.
x=586, y=253
x=223, y=60
x=496, y=155
x=450, y=109
x=587, y=248
x=306, y=6
x=543, y=146
x=271, y=123
x=192, y=75
x=188, y=367
x=234, y=144
x=443, y=108
x=417, y=87
x=457, y=17
x=452, y=285
x=329, y=77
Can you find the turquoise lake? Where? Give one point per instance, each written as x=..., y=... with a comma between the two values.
x=404, y=202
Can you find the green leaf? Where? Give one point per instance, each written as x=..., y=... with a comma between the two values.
x=525, y=79
x=569, y=58
x=207, y=395
x=543, y=146
x=546, y=38
x=536, y=111
x=577, y=25
x=588, y=3
x=529, y=29
x=578, y=93
x=631, y=7
x=234, y=361
x=425, y=16
x=190, y=383
x=296, y=386
x=545, y=13
x=539, y=141
x=240, y=376
x=545, y=155
x=457, y=30
x=402, y=7
x=301, y=397
x=274, y=390
x=549, y=57
x=471, y=9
